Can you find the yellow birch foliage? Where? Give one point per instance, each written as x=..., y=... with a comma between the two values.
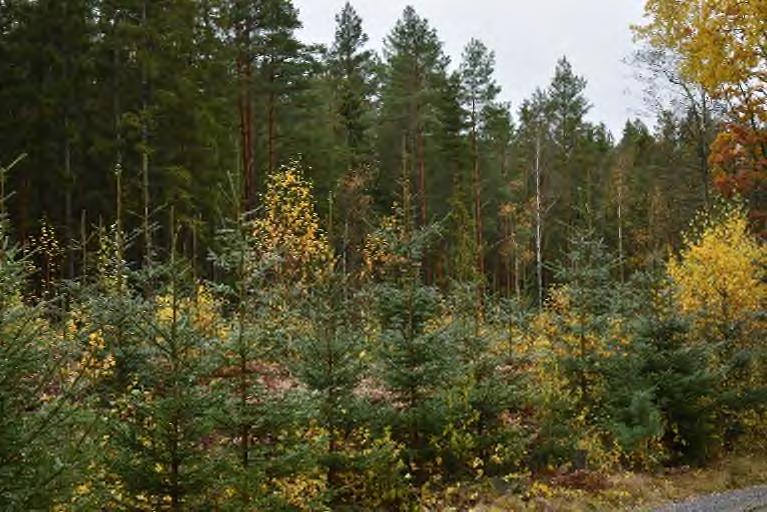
x=202, y=309
x=721, y=42
x=380, y=252
x=289, y=227
x=720, y=272
x=723, y=47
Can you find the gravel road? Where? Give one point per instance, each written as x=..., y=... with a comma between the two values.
x=753, y=499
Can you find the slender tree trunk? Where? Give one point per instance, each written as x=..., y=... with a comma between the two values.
x=145, y=140
x=68, y=200
x=24, y=209
x=332, y=469
x=477, y=182
x=83, y=243
x=175, y=470
x=176, y=491
x=538, y=220
x=517, y=284
x=68, y=178
x=506, y=226
x=272, y=124
x=478, y=228
x=406, y=177
x=194, y=228
x=588, y=212
x=243, y=384
x=703, y=146
x=620, y=227
x=423, y=208
x=3, y=206
x=116, y=113
x=583, y=377
x=119, y=210
x=245, y=110
x=243, y=398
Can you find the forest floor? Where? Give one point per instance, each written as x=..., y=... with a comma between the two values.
x=630, y=491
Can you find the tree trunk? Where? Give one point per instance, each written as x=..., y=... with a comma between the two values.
x=116, y=112
x=620, y=231
x=83, y=243
x=145, y=142
x=245, y=110
x=703, y=147
x=68, y=179
x=68, y=201
x=538, y=220
x=423, y=209
x=272, y=124
x=477, y=182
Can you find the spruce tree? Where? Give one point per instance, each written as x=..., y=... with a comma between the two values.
x=575, y=159
x=46, y=86
x=165, y=414
x=271, y=263
x=331, y=363
x=481, y=394
x=590, y=296
x=256, y=411
x=414, y=343
x=39, y=431
x=660, y=387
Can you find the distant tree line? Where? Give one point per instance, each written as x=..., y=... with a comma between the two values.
x=126, y=108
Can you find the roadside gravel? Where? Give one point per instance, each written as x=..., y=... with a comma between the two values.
x=752, y=499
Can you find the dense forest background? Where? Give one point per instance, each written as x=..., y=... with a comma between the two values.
x=242, y=272
x=175, y=103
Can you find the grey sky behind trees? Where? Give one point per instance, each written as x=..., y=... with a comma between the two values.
x=527, y=36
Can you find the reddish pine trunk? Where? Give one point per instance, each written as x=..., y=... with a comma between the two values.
x=423, y=209
x=272, y=129
x=478, y=209
x=245, y=108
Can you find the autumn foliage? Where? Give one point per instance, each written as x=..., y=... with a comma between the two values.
x=720, y=272
x=334, y=348
x=722, y=47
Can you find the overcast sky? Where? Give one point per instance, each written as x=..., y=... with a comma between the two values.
x=527, y=36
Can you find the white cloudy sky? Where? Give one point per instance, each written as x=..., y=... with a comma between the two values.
x=527, y=36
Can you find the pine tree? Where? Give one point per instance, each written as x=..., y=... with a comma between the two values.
x=351, y=69
x=270, y=62
x=479, y=91
x=413, y=73
x=567, y=107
